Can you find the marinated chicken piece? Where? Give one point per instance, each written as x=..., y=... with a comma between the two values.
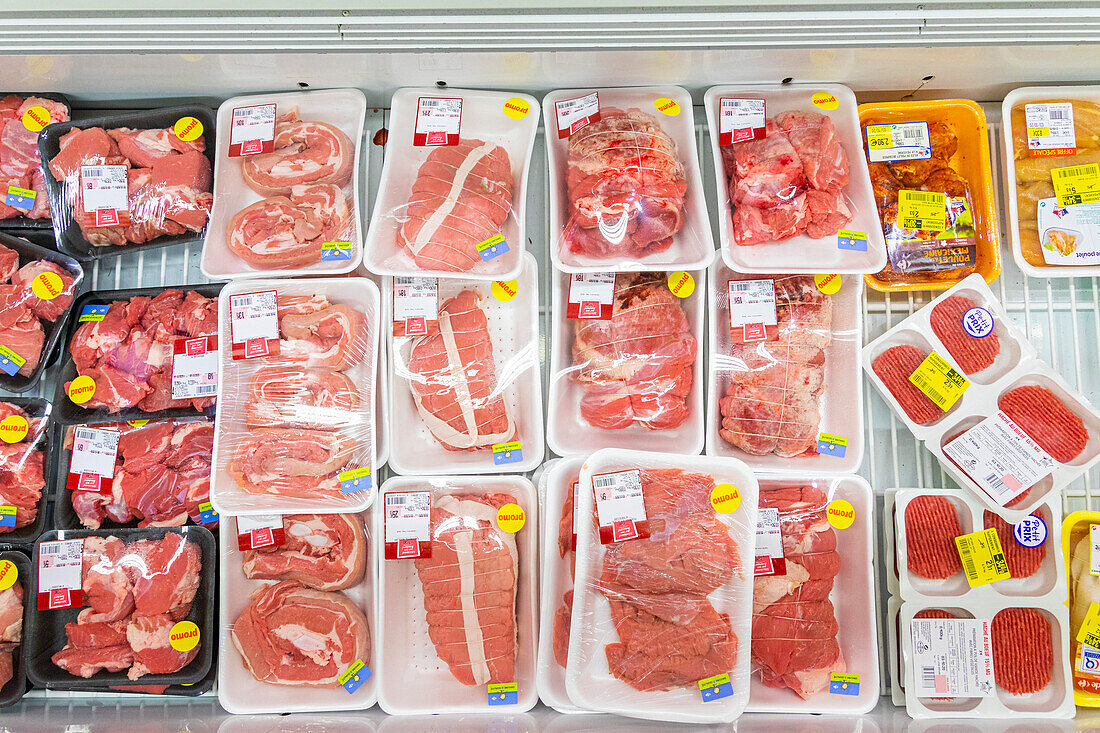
x=944, y=141
x=947, y=180
x=912, y=173
x=883, y=184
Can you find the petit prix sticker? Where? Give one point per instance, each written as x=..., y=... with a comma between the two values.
x=1031, y=531
x=982, y=558
x=978, y=322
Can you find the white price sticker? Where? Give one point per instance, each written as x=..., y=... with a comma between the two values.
x=741, y=119
x=591, y=295
x=438, y=121
x=952, y=658
x=195, y=367
x=260, y=530
x=901, y=141
x=752, y=308
x=620, y=506
x=769, y=544
x=252, y=130
x=1094, y=554
x=1050, y=129
x=60, y=563
x=103, y=187
x=1000, y=457
x=94, y=452
x=254, y=324
x=415, y=302
x=573, y=114
x=407, y=523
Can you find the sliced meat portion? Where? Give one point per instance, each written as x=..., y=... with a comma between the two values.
x=285, y=232
x=290, y=396
x=323, y=551
x=9, y=263
x=166, y=575
x=931, y=526
x=50, y=308
x=21, y=476
x=143, y=148
x=972, y=354
x=25, y=338
x=86, y=661
x=894, y=367
x=1046, y=420
x=107, y=580
x=11, y=614
x=334, y=336
x=289, y=462
x=148, y=637
x=814, y=138
x=306, y=153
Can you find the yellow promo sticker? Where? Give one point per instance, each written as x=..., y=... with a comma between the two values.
x=828, y=284
x=1076, y=184
x=923, y=210
x=188, y=129
x=9, y=573
x=504, y=290
x=667, y=106
x=511, y=518
x=840, y=513
x=47, y=285
x=725, y=498
x=35, y=118
x=81, y=389
x=825, y=100
x=516, y=108
x=681, y=283
x=137, y=423
x=13, y=428
x=939, y=381
x=184, y=636
x=982, y=557
x=1088, y=634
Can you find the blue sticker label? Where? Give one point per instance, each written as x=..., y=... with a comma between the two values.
x=207, y=515
x=492, y=248
x=851, y=241
x=335, y=251
x=92, y=313
x=1031, y=531
x=20, y=198
x=978, y=322
x=506, y=693
x=717, y=692
x=832, y=445
x=357, y=479
x=352, y=679
x=10, y=362
x=504, y=453
x=842, y=683
x=7, y=516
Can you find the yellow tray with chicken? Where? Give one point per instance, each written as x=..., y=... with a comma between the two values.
x=1084, y=591
x=950, y=168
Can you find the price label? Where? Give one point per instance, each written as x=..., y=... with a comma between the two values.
x=851, y=241
x=1094, y=553
x=8, y=515
x=573, y=114
x=939, y=381
x=59, y=570
x=844, y=683
x=769, y=544
x=740, y=120
x=1031, y=531
x=952, y=658
x=254, y=324
x=1050, y=131
x=752, y=309
x=438, y=121
x=1076, y=184
x=95, y=312
x=407, y=524
x=1089, y=632
x=106, y=201
x=923, y=210
x=195, y=367
x=415, y=303
x=620, y=507
x=1000, y=457
x=835, y=446
x=92, y=462
x=207, y=513
x=505, y=453
x=983, y=559
x=260, y=530
x=252, y=130
x=492, y=247
x=902, y=141
x=978, y=322
x=591, y=296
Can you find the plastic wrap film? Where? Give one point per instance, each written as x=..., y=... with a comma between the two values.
x=661, y=617
x=297, y=614
x=24, y=470
x=138, y=606
x=944, y=150
x=1084, y=591
x=296, y=429
x=627, y=373
x=784, y=356
x=125, y=180
x=454, y=184
x=814, y=641
x=25, y=202
x=625, y=182
x=15, y=577
x=159, y=475
x=466, y=391
x=290, y=199
x=459, y=613
x=123, y=347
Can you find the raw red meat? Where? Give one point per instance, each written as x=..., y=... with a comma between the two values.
x=107, y=581
x=96, y=633
x=315, y=398
x=814, y=137
x=469, y=587
x=626, y=187
x=20, y=165
x=25, y=338
x=306, y=153
x=1046, y=420
x=21, y=470
x=292, y=635
x=972, y=354
x=321, y=334
x=931, y=526
x=1023, y=562
x=564, y=614
x=291, y=462
x=285, y=232
x=53, y=308
x=322, y=551
x=636, y=367
x=772, y=402
x=893, y=367
x=658, y=587
x=166, y=575
x=1023, y=652
x=9, y=263
x=453, y=379
x=148, y=637
x=86, y=661
x=11, y=628
x=461, y=197
x=145, y=147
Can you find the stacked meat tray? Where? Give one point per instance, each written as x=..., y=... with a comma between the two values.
x=325, y=476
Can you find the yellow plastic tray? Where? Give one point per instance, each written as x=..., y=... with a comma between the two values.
x=1069, y=539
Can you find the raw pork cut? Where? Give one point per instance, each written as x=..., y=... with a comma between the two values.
x=20, y=165
x=25, y=337
x=772, y=399
x=21, y=469
x=305, y=153
x=11, y=628
x=452, y=376
x=148, y=637
x=638, y=366
x=50, y=309
x=461, y=197
x=794, y=624
x=9, y=263
x=284, y=232
x=322, y=551
x=316, y=333
x=657, y=587
x=285, y=462
x=626, y=187
x=292, y=635
x=469, y=585
x=567, y=547
x=315, y=398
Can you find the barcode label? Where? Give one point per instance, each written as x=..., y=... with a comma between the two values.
x=1050, y=130
x=740, y=120
x=252, y=130
x=438, y=121
x=927, y=387
x=927, y=197
x=1074, y=171
x=207, y=390
x=396, y=500
x=415, y=302
x=752, y=303
x=195, y=367
x=60, y=564
x=1000, y=457
x=253, y=318
x=952, y=658
x=928, y=677
x=898, y=142
x=966, y=548
x=407, y=525
x=50, y=548
x=104, y=187
x=620, y=507
x=1058, y=114
x=604, y=482
x=573, y=114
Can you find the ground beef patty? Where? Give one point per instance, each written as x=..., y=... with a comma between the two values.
x=893, y=367
x=931, y=526
x=1023, y=654
x=1023, y=562
x=1046, y=420
x=972, y=354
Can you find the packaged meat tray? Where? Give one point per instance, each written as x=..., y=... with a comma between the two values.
x=15, y=574
x=783, y=383
x=289, y=584
x=1003, y=659
x=466, y=394
x=26, y=467
x=26, y=202
x=792, y=182
x=130, y=181
x=662, y=619
x=626, y=361
x=138, y=354
x=1050, y=134
x=122, y=607
x=814, y=619
x=286, y=185
x=458, y=581
x=625, y=186
x=140, y=473
x=965, y=381
x=37, y=287
x=933, y=184
x=382, y=379
x=298, y=358
x=453, y=195
x=1078, y=531
x=934, y=566
x=557, y=481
